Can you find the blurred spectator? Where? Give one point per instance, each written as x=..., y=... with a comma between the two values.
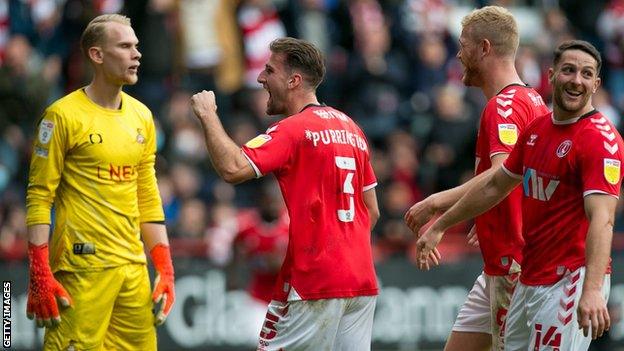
x=451, y=142
x=611, y=29
x=376, y=80
x=25, y=84
x=260, y=24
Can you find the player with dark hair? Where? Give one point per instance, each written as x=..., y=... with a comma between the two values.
x=488, y=44
x=325, y=294
x=569, y=165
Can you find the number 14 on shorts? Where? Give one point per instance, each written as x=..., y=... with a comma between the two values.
x=546, y=337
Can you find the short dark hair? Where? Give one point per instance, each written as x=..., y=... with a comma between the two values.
x=578, y=45
x=303, y=56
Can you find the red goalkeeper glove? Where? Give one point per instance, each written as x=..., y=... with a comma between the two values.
x=43, y=289
x=164, y=283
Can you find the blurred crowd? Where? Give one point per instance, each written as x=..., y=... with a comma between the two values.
x=391, y=66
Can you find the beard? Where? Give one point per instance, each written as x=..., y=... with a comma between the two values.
x=471, y=76
x=569, y=106
x=274, y=106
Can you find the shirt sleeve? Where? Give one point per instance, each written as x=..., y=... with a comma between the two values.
x=46, y=166
x=600, y=162
x=513, y=164
x=503, y=119
x=370, y=181
x=271, y=151
x=148, y=196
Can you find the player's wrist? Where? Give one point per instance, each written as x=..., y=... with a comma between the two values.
x=39, y=259
x=161, y=257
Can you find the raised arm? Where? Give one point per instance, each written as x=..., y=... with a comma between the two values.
x=487, y=191
x=592, y=308
x=226, y=157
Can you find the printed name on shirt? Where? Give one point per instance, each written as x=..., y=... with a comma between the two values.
x=336, y=136
x=330, y=114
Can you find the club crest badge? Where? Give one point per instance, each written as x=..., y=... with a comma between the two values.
x=564, y=148
x=140, y=138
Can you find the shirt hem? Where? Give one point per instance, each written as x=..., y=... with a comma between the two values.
x=335, y=294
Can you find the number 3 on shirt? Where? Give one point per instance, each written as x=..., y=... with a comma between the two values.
x=347, y=163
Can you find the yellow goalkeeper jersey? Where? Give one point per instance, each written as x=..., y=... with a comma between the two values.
x=96, y=166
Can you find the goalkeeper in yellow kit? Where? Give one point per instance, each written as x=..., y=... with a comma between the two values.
x=93, y=158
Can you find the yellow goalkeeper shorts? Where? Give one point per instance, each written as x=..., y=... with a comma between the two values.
x=112, y=310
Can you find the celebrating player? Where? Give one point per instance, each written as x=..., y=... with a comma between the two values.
x=569, y=164
x=325, y=295
x=488, y=45
x=94, y=160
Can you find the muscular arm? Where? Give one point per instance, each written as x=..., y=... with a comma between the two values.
x=370, y=200
x=154, y=234
x=227, y=157
x=483, y=195
x=592, y=310
x=423, y=211
x=38, y=234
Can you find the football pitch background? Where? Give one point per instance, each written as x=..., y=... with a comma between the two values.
x=415, y=309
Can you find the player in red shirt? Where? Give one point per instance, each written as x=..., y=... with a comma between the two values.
x=488, y=45
x=569, y=164
x=326, y=290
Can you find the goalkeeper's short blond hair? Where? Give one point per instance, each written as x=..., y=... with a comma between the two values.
x=95, y=33
x=497, y=25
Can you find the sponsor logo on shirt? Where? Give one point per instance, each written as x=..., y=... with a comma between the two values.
x=612, y=170
x=45, y=131
x=564, y=148
x=508, y=133
x=117, y=173
x=535, y=185
x=258, y=141
x=336, y=136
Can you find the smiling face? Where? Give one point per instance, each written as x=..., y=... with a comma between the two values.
x=274, y=79
x=574, y=79
x=119, y=54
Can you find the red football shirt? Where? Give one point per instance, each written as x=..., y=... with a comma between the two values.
x=261, y=244
x=560, y=163
x=500, y=229
x=321, y=160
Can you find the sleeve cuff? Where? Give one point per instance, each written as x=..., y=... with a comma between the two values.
x=510, y=173
x=253, y=165
x=369, y=187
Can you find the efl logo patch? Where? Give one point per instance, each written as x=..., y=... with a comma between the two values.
x=612, y=170
x=258, y=141
x=45, y=131
x=508, y=134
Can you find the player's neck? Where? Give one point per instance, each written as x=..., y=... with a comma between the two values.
x=560, y=114
x=104, y=94
x=300, y=101
x=498, y=76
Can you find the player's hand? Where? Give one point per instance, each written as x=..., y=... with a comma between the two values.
x=592, y=313
x=44, y=292
x=164, y=291
x=426, y=249
x=473, y=240
x=204, y=104
x=419, y=214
